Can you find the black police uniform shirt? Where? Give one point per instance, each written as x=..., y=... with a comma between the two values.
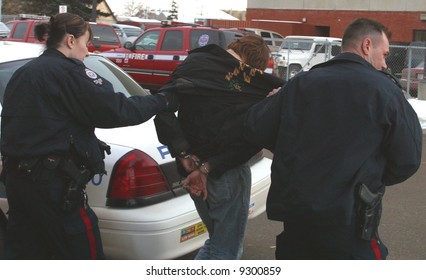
x=330, y=129
x=215, y=91
x=54, y=102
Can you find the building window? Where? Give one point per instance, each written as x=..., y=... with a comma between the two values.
x=419, y=35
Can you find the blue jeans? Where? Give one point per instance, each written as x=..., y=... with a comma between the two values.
x=225, y=214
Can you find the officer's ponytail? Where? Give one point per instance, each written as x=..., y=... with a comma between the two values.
x=40, y=31
x=59, y=26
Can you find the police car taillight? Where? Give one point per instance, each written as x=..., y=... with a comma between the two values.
x=137, y=180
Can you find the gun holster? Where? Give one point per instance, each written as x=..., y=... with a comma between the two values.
x=369, y=211
x=73, y=194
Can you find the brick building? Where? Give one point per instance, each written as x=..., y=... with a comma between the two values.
x=405, y=18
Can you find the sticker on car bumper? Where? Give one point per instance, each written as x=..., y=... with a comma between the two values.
x=192, y=231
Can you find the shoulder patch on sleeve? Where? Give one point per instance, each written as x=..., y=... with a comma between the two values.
x=92, y=75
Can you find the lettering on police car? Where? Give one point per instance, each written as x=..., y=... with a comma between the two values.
x=164, y=151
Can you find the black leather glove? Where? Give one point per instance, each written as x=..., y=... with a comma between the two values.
x=171, y=99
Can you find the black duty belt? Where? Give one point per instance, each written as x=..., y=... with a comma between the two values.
x=79, y=174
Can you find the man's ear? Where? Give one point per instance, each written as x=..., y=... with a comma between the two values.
x=366, y=46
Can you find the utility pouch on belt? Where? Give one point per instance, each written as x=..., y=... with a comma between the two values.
x=29, y=167
x=369, y=212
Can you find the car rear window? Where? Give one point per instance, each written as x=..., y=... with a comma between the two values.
x=20, y=30
x=116, y=76
x=103, y=67
x=201, y=38
x=132, y=32
x=6, y=71
x=104, y=35
x=173, y=41
x=297, y=44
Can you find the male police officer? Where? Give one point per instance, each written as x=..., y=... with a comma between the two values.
x=339, y=134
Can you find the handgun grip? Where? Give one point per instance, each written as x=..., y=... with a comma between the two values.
x=366, y=195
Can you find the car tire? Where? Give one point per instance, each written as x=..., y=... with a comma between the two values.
x=3, y=223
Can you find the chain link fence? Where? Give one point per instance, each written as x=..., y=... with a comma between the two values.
x=407, y=64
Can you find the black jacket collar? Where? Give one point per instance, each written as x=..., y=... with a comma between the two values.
x=346, y=57
x=51, y=52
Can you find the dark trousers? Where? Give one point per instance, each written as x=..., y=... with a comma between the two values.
x=38, y=228
x=308, y=242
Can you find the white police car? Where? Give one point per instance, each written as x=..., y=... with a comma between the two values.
x=143, y=211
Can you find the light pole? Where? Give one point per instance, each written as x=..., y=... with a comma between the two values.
x=421, y=87
x=94, y=6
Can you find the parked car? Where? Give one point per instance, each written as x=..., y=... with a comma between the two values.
x=273, y=39
x=127, y=33
x=104, y=35
x=104, y=38
x=22, y=30
x=410, y=78
x=9, y=25
x=4, y=30
x=143, y=210
x=155, y=54
x=301, y=53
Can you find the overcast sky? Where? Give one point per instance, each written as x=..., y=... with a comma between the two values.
x=240, y=5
